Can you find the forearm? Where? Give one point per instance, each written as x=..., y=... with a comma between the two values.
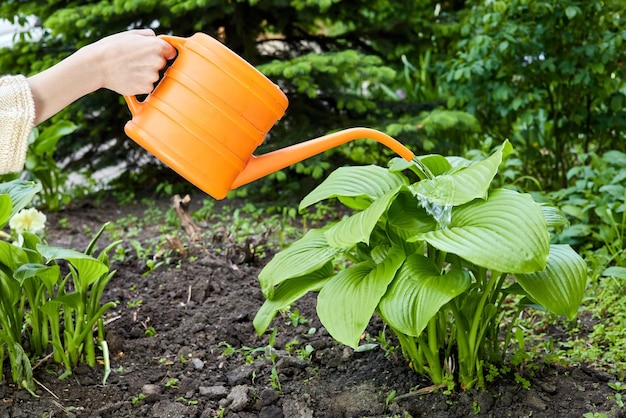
x=64, y=83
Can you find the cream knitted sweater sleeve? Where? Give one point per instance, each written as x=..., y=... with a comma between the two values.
x=17, y=116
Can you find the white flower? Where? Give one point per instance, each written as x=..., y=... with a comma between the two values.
x=30, y=220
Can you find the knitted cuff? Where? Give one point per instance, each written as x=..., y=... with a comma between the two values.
x=17, y=116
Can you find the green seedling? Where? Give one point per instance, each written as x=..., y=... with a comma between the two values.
x=297, y=319
x=303, y=353
x=251, y=354
x=150, y=331
x=390, y=397
x=189, y=402
x=135, y=400
x=476, y=407
x=134, y=303
x=164, y=361
x=42, y=165
x=618, y=387
x=172, y=383
x=522, y=381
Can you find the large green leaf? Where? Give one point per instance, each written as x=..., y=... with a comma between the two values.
x=89, y=269
x=615, y=271
x=369, y=181
x=48, y=274
x=560, y=286
x=287, y=293
x=434, y=163
x=9, y=291
x=72, y=300
x=506, y=233
x=5, y=209
x=48, y=138
x=437, y=164
x=418, y=292
x=406, y=218
x=310, y=253
x=554, y=217
x=463, y=185
x=21, y=193
x=358, y=227
x=29, y=244
x=11, y=257
x=456, y=162
x=407, y=215
x=347, y=302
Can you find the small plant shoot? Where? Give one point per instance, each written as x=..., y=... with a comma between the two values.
x=434, y=251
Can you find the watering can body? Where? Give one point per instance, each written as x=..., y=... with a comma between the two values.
x=209, y=113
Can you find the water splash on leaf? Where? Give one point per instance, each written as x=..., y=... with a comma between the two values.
x=441, y=213
x=435, y=195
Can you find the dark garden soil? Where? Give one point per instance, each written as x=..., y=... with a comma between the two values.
x=204, y=302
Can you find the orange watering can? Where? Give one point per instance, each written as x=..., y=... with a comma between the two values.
x=212, y=109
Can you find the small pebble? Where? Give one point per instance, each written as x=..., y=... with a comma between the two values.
x=213, y=392
x=197, y=364
x=151, y=389
x=238, y=398
x=537, y=403
x=549, y=387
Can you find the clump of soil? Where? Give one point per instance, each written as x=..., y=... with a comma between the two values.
x=182, y=344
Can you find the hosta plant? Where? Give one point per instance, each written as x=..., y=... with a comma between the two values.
x=43, y=306
x=437, y=254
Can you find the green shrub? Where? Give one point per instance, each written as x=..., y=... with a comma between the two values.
x=435, y=258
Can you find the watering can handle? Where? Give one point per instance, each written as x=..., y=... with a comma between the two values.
x=177, y=42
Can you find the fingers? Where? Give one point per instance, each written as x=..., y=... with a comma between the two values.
x=168, y=52
x=149, y=69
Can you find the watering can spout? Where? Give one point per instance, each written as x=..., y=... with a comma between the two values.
x=260, y=166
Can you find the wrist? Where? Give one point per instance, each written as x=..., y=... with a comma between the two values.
x=89, y=67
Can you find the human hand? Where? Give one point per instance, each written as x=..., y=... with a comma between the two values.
x=129, y=62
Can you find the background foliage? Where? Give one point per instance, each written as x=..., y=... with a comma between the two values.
x=547, y=74
x=438, y=75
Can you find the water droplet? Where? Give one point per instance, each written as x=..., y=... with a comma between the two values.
x=441, y=213
x=437, y=193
